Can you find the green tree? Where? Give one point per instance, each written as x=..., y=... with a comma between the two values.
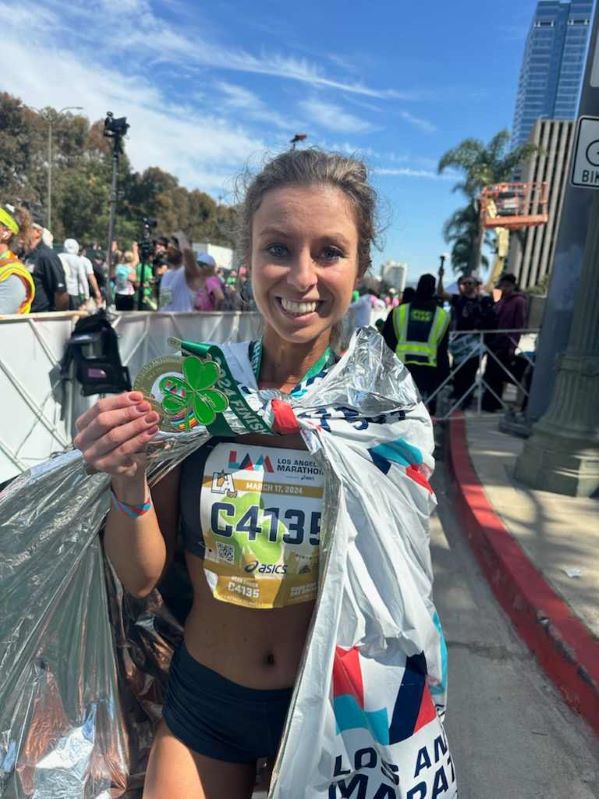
x=482, y=165
x=461, y=230
x=81, y=178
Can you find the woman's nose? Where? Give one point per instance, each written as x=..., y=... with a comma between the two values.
x=302, y=274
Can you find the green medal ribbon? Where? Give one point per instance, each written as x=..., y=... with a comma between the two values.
x=199, y=388
x=226, y=385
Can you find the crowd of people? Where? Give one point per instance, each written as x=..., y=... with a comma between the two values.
x=173, y=277
x=436, y=333
x=35, y=278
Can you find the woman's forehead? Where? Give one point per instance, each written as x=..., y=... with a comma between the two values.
x=301, y=207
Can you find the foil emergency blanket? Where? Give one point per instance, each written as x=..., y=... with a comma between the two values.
x=83, y=665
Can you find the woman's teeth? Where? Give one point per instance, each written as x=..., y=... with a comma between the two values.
x=298, y=308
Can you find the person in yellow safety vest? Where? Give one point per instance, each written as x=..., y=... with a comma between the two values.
x=17, y=289
x=418, y=333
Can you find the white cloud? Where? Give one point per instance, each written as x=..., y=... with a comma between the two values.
x=238, y=98
x=201, y=149
x=409, y=172
x=131, y=26
x=333, y=117
x=418, y=122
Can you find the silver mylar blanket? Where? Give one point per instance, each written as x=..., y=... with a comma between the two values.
x=83, y=665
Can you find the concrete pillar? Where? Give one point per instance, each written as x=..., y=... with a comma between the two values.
x=562, y=454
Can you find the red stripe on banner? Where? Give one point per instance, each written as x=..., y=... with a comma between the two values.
x=284, y=417
x=427, y=711
x=347, y=674
x=414, y=472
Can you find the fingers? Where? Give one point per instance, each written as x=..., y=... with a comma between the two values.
x=107, y=423
x=119, y=460
x=113, y=402
x=115, y=429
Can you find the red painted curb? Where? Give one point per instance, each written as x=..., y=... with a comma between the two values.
x=566, y=649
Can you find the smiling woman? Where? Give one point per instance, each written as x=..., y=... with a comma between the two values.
x=249, y=507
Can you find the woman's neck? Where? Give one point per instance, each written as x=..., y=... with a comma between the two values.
x=285, y=364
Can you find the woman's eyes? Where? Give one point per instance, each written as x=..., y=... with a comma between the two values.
x=326, y=254
x=277, y=250
x=331, y=253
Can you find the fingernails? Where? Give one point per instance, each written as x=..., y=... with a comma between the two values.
x=152, y=418
x=143, y=407
x=152, y=430
x=135, y=396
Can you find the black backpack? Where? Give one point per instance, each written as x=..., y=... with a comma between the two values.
x=94, y=348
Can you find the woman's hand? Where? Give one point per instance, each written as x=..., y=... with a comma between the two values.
x=113, y=433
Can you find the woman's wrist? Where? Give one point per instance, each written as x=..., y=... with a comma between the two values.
x=131, y=490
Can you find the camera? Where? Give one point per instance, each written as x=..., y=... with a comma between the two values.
x=146, y=245
x=115, y=128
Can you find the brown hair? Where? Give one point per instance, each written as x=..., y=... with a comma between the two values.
x=306, y=168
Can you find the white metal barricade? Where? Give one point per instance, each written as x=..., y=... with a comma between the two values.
x=39, y=409
x=446, y=402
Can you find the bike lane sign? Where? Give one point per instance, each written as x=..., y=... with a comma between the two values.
x=585, y=164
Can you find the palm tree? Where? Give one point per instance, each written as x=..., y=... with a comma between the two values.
x=461, y=230
x=483, y=165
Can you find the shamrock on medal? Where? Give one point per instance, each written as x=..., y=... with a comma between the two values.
x=193, y=394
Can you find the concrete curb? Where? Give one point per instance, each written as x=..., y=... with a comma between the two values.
x=563, y=645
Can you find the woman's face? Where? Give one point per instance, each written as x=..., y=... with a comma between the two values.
x=304, y=260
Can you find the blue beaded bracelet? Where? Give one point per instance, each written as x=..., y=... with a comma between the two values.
x=133, y=511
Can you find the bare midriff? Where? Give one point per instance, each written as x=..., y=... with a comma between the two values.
x=258, y=649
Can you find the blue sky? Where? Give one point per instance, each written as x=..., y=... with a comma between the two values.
x=210, y=87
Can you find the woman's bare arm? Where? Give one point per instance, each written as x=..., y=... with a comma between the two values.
x=140, y=548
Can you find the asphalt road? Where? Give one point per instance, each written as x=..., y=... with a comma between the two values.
x=511, y=734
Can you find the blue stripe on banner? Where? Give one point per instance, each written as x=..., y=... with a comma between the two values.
x=440, y=688
x=398, y=451
x=350, y=716
x=409, y=699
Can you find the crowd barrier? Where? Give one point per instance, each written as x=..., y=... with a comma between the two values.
x=39, y=409
x=516, y=375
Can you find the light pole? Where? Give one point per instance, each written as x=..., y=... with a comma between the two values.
x=50, y=122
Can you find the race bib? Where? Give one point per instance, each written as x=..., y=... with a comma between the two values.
x=260, y=511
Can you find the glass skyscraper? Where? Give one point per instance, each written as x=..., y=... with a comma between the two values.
x=553, y=64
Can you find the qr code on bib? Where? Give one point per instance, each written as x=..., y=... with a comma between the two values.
x=225, y=552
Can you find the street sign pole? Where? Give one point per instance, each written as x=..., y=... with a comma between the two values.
x=567, y=263
x=562, y=454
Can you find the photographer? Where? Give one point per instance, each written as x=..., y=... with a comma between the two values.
x=187, y=278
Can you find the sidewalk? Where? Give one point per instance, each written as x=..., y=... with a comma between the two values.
x=539, y=551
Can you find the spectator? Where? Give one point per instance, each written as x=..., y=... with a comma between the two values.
x=16, y=284
x=246, y=293
x=92, y=280
x=407, y=296
x=180, y=285
x=510, y=314
x=174, y=294
x=418, y=332
x=471, y=310
x=95, y=254
x=124, y=283
x=48, y=274
x=75, y=274
x=209, y=289
x=360, y=310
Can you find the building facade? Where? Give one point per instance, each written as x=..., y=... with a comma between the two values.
x=531, y=249
x=553, y=64
x=395, y=274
